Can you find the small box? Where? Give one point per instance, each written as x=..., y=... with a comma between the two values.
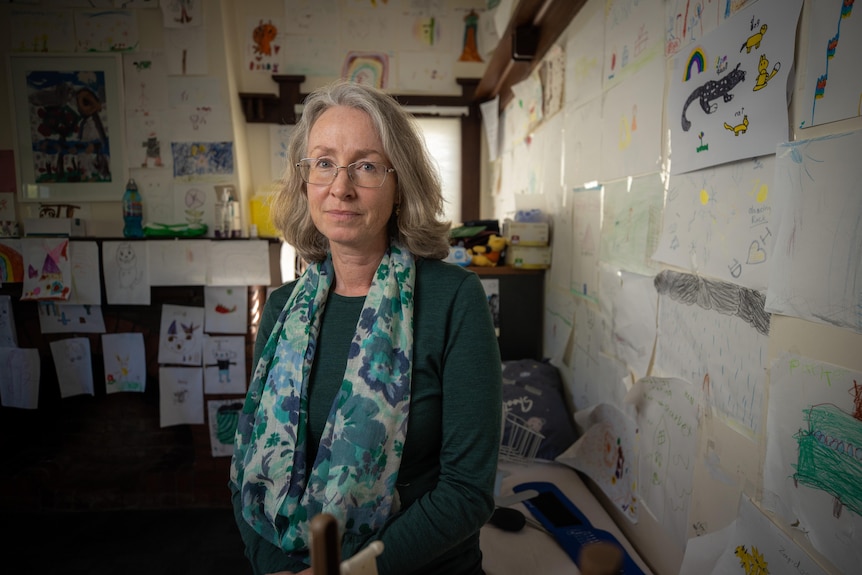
x=48, y=226
x=526, y=233
x=528, y=257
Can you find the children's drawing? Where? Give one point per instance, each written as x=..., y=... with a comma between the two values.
x=833, y=85
x=264, y=46
x=125, y=362
x=186, y=51
x=106, y=30
x=36, y=30
x=687, y=21
x=368, y=68
x=816, y=268
x=124, y=267
x=48, y=269
x=86, y=287
x=239, y=263
x=584, y=57
x=668, y=413
x=633, y=36
x=11, y=261
x=223, y=415
x=192, y=159
x=630, y=223
x=719, y=221
x=606, y=454
x=19, y=386
x=279, y=136
x=224, y=364
x=720, y=335
x=226, y=309
x=728, y=92
x=181, y=335
x=8, y=333
x=172, y=264
x=181, y=396
x=813, y=474
x=72, y=362
x=707, y=94
x=57, y=317
x=470, y=47
x=182, y=14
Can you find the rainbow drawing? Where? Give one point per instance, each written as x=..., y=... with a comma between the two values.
x=698, y=59
x=11, y=262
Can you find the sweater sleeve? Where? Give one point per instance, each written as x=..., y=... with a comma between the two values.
x=442, y=525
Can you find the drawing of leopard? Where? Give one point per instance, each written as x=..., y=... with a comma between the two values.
x=713, y=90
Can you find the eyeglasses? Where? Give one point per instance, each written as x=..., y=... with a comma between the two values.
x=321, y=172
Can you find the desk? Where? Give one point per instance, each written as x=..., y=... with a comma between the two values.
x=530, y=550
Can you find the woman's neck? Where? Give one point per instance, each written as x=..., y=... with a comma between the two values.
x=354, y=273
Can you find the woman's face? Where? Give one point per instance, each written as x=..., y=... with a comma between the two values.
x=353, y=218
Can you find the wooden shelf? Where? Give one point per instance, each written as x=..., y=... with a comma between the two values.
x=550, y=18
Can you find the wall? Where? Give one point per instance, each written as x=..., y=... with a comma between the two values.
x=729, y=460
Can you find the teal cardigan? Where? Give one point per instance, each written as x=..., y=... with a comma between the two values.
x=446, y=479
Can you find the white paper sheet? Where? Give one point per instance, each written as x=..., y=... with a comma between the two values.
x=688, y=21
x=606, y=453
x=222, y=416
x=582, y=129
x=8, y=333
x=668, y=411
x=239, y=263
x=181, y=396
x=812, y=471
x=634, y=34
x=47, y=269
x=19, y=384
x=727, y=98
x=715, y=335
x=585, y=54
x=72, y=362
x=56, y=317
x=758, y=544
x=86, y=287
x=124, y=265
x=631, y=123
x=720, y=221
x=587, y=220
x=224, y=364
x=832, y=80
x=631, y=223
x=125, y=362
x=226, y=309
x=181, y=335
x=177, y=262
x=817, y=267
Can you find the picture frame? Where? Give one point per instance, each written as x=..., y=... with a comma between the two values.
x=69, y=127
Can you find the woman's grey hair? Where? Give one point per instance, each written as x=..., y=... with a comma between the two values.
x=417, y=223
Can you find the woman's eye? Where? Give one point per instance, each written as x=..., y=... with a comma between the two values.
x=367, y=167
x=323, y=164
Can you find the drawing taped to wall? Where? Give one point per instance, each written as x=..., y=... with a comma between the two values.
x=720, y=221
x=11, y=261
x=816, y=269
x=720, y=338
x=124, y=268
x=181, y=396
x=48, y=268
x=833, y=86
x=263, y=46
x=201, y=159
x=223, y=416
x=813, y=471
x=728, y=92
x=224, y=364
x=181, y=335
x=367, y=68
x=125, y=362
x=22, y=368
x=687, y=21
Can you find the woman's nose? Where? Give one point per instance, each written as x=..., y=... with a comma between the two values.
x=342, y=187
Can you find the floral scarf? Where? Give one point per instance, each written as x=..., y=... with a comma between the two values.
x=353, y=475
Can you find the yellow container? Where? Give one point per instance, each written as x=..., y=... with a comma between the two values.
x=261, y=218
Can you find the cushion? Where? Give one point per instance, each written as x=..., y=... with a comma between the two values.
x=533, y=391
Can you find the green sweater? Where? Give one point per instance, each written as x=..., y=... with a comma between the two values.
x=446, y=479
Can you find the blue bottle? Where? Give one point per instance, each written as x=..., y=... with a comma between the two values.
x=133, y=211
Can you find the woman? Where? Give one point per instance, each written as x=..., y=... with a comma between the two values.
x=376, y=392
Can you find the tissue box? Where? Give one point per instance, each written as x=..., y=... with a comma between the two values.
x=528, y=257
x=526, y=233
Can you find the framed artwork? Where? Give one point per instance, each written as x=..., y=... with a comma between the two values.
x=69, y=127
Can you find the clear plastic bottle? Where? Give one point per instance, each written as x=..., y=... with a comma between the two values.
x=133, y=211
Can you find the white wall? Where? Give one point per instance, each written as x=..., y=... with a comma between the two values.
x=727, y=462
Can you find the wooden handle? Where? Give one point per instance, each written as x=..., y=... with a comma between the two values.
x=325, y=545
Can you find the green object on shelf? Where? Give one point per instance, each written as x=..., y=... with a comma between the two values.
x=156, y=230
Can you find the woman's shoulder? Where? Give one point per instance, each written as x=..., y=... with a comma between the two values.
x=279, y=296
x=438, y=277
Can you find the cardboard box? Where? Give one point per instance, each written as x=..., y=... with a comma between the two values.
x=528, y=257
x=526, y=233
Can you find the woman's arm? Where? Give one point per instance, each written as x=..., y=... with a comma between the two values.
x=462, y=500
